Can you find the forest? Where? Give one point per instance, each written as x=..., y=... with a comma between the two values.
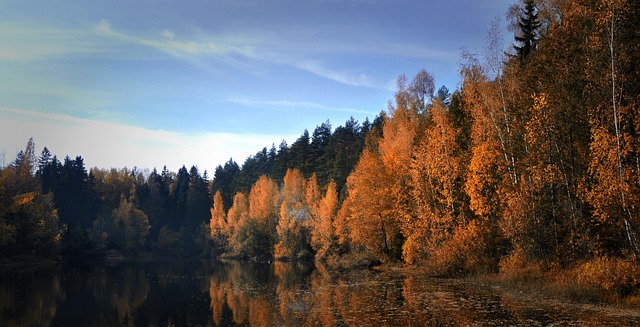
x=532, y=164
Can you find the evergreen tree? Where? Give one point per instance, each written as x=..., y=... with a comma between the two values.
x=225, y=180
x=299, y=154
x=529, y=25
x=281, y=163
x=319, y=143
x=198, y=200
x=443, y=96
x=76, y=202
x=179, y=195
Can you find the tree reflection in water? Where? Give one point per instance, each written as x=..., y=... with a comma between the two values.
x=179, y=293
x=30, y=298
x=294, y=295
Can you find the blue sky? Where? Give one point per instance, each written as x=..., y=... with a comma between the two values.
x=149, y=83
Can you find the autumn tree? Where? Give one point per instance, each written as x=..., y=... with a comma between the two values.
x=557, y=136
x=437, y=174
x=237, y=217
x=293, y=225
x=614, y=79
x=264, y=205
x=492, y=98
x=323, y=237
x=31, y=224
x=218, y=222
x=367, y=215
x=28, y=218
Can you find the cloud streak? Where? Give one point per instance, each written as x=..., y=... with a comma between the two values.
x=288, y=105
x=22, y=41
x=206, y=45
x=341, y=77
x=169, y=43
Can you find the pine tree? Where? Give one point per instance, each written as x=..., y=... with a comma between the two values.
x=529, y=25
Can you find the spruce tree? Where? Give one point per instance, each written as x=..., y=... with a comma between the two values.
x=529, y=25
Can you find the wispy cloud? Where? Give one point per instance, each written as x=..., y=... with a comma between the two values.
x=299, y=105
x=341, y=77
x=106, y=145
x=206, y=45
x=170, y=43
x=20, y=41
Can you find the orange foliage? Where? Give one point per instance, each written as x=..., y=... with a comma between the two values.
x=238, y=213
x=436, y=173
x=322, y=231
x=368, y=210
x=293, y=225
x=264, y=203
x=218, y=222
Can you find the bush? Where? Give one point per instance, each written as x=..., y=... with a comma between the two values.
x=516, y=268
x=468, y=250
x=611, y=275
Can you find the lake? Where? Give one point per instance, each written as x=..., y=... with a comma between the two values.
x=187, y=293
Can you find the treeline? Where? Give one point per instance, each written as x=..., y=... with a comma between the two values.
x=533, y=162
x=328, y=154
x=49, y=207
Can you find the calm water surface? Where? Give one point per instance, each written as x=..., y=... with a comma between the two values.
x=279, y=294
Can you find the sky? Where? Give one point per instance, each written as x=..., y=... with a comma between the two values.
x=149, y=83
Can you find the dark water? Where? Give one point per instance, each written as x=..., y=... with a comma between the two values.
x=281, y=294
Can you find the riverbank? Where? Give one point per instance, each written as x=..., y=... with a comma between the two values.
x=600, y=282
x=24, y=260
x=566, y=285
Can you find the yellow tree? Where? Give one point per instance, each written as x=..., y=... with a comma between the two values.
x=322, y=231
x=557, y=135
x=396, y=146
x=368, y=214
x=264, y=203
x=491, y=94
x=237, y=216
x=436, y=179
x=293, y=226
x=615, y=99
x=218, y=222
x=312, y=197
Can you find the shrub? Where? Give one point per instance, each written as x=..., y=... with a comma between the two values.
x=613, y=275
x=468, y=250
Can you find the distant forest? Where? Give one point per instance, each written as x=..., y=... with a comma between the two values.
x=533, y=162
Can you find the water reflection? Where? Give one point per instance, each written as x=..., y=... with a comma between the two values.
x=30, y=298
x=279, y=294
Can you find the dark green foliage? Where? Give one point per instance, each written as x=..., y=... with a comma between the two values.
x=179, y=194
x=299, y=154
x=225, y=180
x=255, y=242
x=73, y=196
x=320, y=141
x=343, y=151
x=198, y=200
x=281, y=162
x=252, y=169
x=152, y=197
x=529, y=25
x=443, y=96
